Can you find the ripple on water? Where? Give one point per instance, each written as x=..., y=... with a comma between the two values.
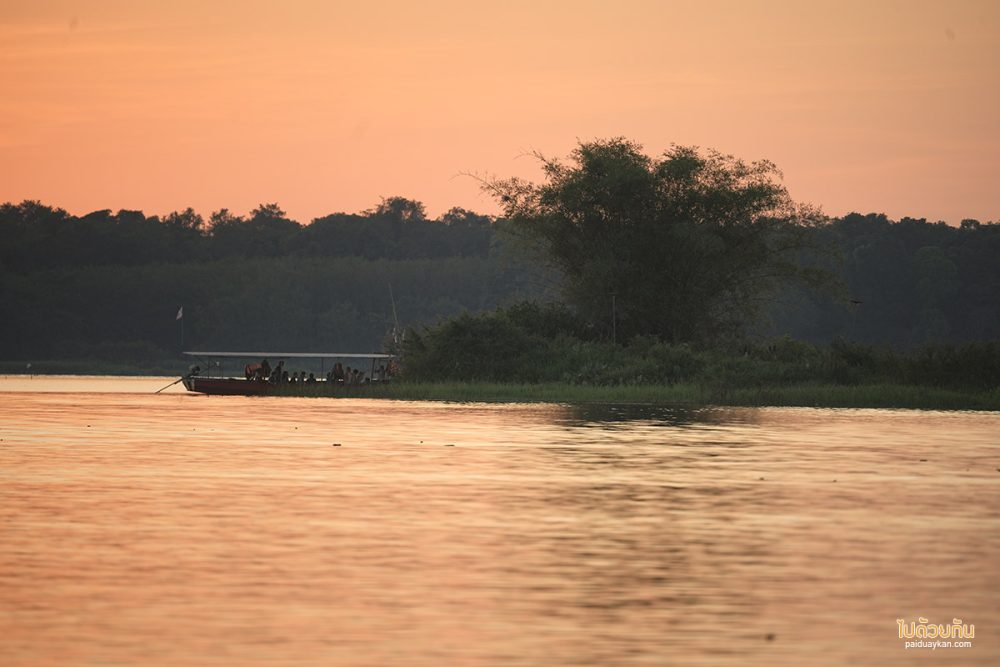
x=175, y=529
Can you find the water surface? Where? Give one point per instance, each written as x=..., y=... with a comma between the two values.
x=176, y=529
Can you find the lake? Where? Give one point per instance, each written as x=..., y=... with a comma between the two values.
x=175, y=529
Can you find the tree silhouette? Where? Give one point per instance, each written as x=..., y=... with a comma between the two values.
x=683, y=247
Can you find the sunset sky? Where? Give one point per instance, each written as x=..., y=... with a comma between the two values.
x=325, y=106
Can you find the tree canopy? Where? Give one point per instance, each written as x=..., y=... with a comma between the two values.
x=686, y=245
x=106, y=282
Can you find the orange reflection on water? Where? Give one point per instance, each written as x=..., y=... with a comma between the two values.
x=175, y=529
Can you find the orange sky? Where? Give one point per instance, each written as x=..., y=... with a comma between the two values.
x=326, y=106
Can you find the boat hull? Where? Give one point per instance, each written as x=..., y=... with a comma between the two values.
x=226, y=386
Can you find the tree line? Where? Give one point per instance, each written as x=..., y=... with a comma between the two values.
x=687, y=248
x=907, y=282
x=36, y=236
x=695, y=246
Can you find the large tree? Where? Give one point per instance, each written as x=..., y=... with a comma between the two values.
x=685, y=245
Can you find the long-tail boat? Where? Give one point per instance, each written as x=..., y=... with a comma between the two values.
x=257, y=378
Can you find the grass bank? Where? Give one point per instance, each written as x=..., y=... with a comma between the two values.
x=805, y=395
x=809, y=394
x=543, y=352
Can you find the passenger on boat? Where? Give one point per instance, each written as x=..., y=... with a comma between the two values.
x=338, y=372
x=311, y=379
x=261, y=371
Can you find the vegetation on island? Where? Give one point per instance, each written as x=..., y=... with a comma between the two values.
x=692, y=270
x=529, y=351
x=686, y=249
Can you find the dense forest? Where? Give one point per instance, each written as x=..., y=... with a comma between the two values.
x=905, y=283
x=108, y=285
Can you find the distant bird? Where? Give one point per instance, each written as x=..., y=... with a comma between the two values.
x=855, y=302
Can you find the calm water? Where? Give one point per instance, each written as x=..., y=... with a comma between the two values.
x=173, y=529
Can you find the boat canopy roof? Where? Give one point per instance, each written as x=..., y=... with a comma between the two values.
x=291, y=355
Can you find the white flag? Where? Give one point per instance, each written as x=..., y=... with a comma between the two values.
x=180, y=313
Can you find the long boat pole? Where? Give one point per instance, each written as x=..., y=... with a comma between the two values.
x=169, y=385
